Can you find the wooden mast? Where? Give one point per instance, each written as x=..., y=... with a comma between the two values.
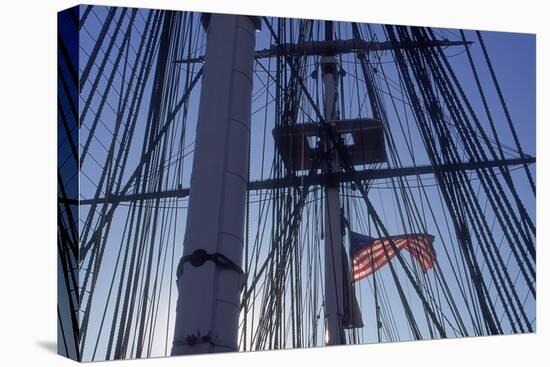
x=209, y=275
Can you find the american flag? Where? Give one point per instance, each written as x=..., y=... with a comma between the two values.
x=370, y=254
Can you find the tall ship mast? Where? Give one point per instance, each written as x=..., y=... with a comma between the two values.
x=245, y=183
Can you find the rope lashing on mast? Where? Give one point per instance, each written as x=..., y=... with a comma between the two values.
x=199, y=257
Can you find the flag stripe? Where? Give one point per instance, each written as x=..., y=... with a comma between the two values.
x=374, y=254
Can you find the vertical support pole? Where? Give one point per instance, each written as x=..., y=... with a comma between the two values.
x=334, y=297
x=334, y=290
x=209, y=276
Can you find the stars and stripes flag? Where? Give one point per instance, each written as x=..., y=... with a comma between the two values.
x=370, y=254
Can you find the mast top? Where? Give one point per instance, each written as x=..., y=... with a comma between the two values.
x=205, y=20
x=299, y=144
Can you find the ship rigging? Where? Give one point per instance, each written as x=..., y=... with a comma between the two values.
x=348, y=127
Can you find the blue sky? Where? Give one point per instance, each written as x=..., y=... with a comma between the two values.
x=513, y=56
